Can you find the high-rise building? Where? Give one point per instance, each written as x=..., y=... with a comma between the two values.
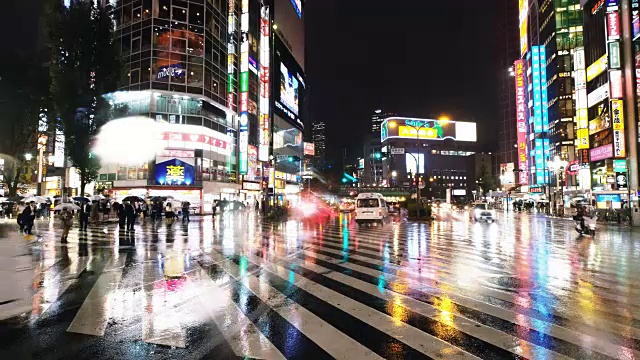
x=550, y=31
x=607, y=164
x=319, y=141
x=228, y=78
x=377, y=118
x=508, y=50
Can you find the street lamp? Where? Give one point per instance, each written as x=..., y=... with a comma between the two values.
x=417, y=128
x=394, y=174
x=557, y=166
x=28, y=156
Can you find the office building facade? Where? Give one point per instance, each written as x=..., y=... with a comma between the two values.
x=224, y=76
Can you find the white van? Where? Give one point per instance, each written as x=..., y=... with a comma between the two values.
x=371, y=208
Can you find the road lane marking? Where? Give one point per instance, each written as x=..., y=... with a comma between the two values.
x=94, y=314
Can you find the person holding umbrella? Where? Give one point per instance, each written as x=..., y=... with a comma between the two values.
x=130, y=214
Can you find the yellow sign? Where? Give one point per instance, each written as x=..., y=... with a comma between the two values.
x=583, y=139
x=597, y=67
x=175, y=173
x=425, y=133
x=523, y=22
x=619, y=145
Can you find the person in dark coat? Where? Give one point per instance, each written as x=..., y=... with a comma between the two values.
x=130, y=213
x=185, y=211
x=121, y=215
x=85, y=213
x=28, y=217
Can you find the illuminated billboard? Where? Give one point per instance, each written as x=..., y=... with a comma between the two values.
x=410, y=162
x=582, y=116
x=288, y=85
x=521, y=118
x=539, y=79
x=427, y=129
x=523, y=7
x=264, y=90
x=244, y=90
x=619, y=148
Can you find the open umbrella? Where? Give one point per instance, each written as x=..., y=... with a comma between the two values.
x=36, y=199
x=68, y=206
x=81, y=199
x=132, y=198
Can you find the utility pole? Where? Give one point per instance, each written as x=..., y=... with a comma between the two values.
x=630, y=111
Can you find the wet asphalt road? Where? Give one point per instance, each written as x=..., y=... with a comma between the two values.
x=235, y=287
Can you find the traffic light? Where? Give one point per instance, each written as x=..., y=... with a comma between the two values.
x=290, y=158
x=344, y=180
x=378, y=156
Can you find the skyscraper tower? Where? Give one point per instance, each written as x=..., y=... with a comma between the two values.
x=377, y=118
x=508, y=50
x=319, y=141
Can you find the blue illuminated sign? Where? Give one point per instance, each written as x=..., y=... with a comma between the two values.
x=297, y=4
x=174, y=172
x=539, y=161
x=546, y=156
x=537, y=88
x=543, y=89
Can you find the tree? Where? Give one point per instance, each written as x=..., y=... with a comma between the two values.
x=85, y=64
x=23, y=92
x=485, y=180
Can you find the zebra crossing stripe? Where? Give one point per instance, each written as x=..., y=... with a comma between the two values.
x=93, y=315
x=285, y=337
x=379, y=332
x=160, y=323
x=367, y=258
x=367, y=262
x=239, y=332
x=317, y=330
x=552, y=337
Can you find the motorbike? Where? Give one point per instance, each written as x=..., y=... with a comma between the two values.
x=589, y=226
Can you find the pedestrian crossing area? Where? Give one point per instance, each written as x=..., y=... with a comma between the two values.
x=236, y=287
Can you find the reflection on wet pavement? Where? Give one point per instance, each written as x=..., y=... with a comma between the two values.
x=236, y=287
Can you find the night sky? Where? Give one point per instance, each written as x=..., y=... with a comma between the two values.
x=412, y=57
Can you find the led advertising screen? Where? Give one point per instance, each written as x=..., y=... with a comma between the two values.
x=410, y=161
x=427, y=129
x=288, y=85
x=289, y=89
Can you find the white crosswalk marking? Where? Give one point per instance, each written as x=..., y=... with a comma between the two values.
x=243, y=336
x=258, y=291
x=413, y=337
x=160, y=321
x=323, y=334
x=95, y=311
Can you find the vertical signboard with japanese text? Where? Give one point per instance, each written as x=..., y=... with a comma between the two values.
x=539, y=161
x=538, y=83
x=231, y=50
x=521, y=118
x=582, y=116
x=263, y=100
x=523, y=7
x=617, y=117
x=244, y=89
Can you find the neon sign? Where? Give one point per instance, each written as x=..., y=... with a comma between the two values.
x=175, y=173
x=521, y=122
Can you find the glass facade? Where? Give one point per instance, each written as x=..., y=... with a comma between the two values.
x=174, y=45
